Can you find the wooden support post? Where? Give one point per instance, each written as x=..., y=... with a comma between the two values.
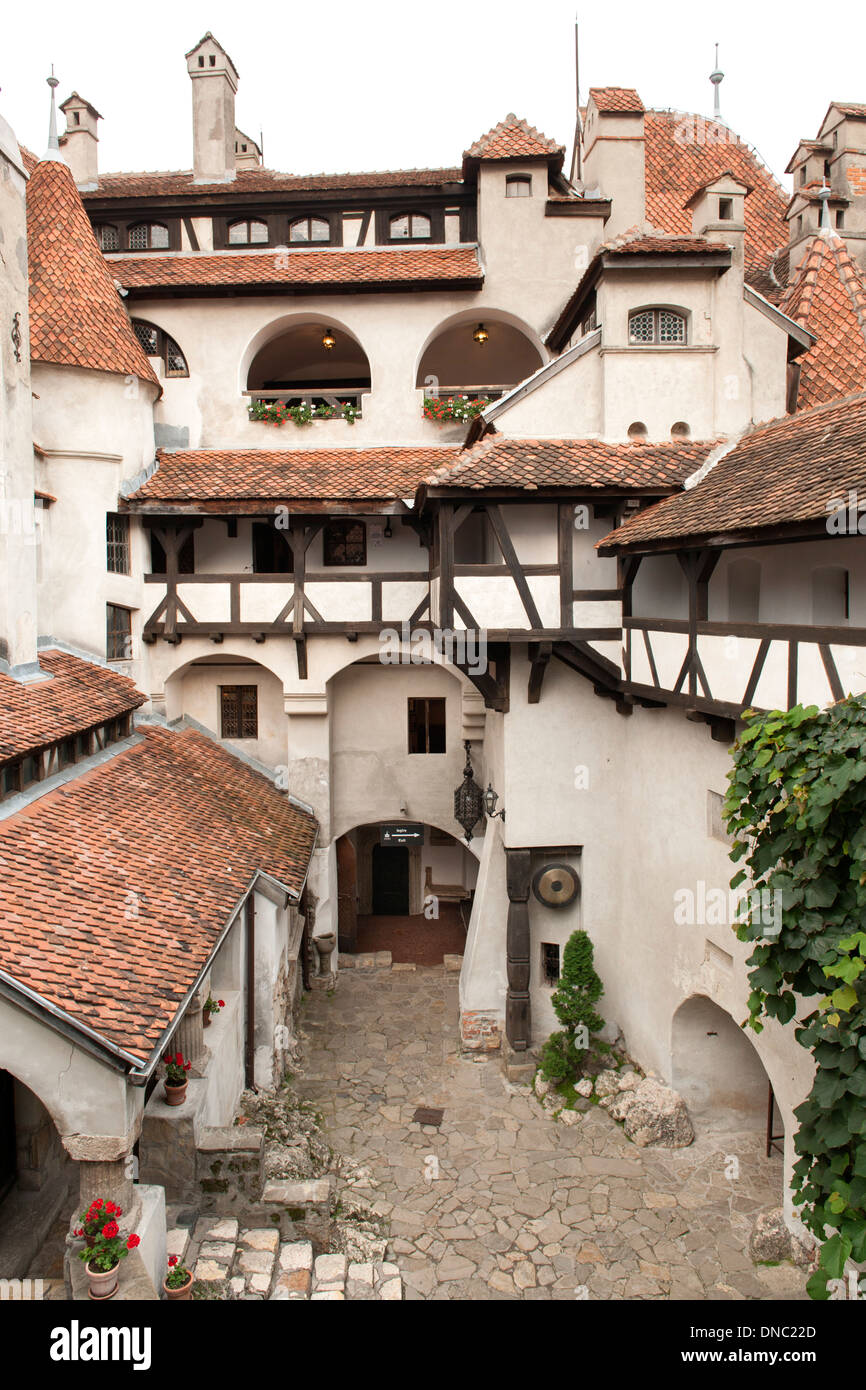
x=539, y=655
x=518, y=1012
x=566, y=564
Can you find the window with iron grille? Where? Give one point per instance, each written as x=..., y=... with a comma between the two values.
x=550, y=962
x=117, y=543
x=118, y=633
x=239, y=711
x=426, y=725
x=410, y=226
x=248, y=233
x=657, y=326
x=108, y=237
x=310, y=229
x=157, y=343
x=345, y=543
x=148, y=236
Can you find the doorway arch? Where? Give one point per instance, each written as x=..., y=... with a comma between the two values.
x=716, y=1069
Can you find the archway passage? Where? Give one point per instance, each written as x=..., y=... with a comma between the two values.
x=308, y=356
x=455, y=362
x=412, y=898
x=38, y=1186
x=717, y=1070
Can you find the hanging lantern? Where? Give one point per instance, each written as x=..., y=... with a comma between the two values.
x=480, y=335
x=468, y=799
x=328, y=340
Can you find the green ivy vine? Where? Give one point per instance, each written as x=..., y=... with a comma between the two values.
x=796, y=808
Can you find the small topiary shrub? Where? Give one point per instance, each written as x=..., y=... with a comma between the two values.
x=579, y=988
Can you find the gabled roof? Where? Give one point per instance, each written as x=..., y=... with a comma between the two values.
x=533, y=464
x=827, y=295
x=368, y=268
x=118, y=885
x=179, y=183
x=514, y=138
x=267, y=476
x=684, y=152
x=78, y=695
x=617, y=100
x=76, y=316
x=783, y=474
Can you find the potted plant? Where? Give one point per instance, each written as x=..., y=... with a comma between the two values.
x=211, y=1006
x=177, y=1284
x=176, y=1068
x=104, y=1247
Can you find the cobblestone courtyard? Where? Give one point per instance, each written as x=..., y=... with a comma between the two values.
x=523, y=1206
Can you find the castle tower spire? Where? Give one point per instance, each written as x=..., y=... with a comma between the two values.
x=716, y=77
x=53, y=150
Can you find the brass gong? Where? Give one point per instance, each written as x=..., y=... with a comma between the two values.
x=556, y=885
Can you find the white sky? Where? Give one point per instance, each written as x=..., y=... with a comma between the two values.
x=343, y=85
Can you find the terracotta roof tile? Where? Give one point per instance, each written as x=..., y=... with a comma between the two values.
x=415, y=265
x=513, y=138
x=79, y=695
x=76, y=315
x=117, y=885
x=616, y=99
x=180, y=183
x=785, y=472
x=274, y=475
x=585, y=463
x=827, y=296
x=683, y=153
x=636, y=243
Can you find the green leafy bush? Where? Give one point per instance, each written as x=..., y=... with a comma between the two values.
x=579, y=989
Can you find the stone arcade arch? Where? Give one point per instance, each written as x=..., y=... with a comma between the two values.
x=38, y=1180
x=450, y=359
x=717, y=1069
x=288, y=354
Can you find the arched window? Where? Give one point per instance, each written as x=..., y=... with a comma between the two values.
x=744, y=591
x=518, y=185
x=830, y=595
x=663, y=326
x=310, y=229
x=681, y=430
x=157, y=343
x=108, y=237
x=637, y=432
x=148, y=236
x=410, y=226
x=248, y=233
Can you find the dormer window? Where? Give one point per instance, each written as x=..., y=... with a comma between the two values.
x=803, y=174
x=108, y=237
x=310, y=229
x=840, y=218
x=657, y=326
x=518, y=185
x=157, y=343
x=726, y=209
x=148, y=236
x=248, y=233
x=826, y=168
x=410, y=226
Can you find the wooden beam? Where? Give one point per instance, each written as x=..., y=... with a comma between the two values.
x=509, y=555
x=539, y=656
x=565, y=545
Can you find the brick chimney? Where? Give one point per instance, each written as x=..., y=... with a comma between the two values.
x=613, y=154
x=214, y=84
x=80, y=140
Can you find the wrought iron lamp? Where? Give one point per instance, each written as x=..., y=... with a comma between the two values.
x=328, y=340
x=490, y=799
x=480, y=335
x=468, y=798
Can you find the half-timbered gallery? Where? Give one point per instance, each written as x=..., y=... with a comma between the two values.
x=373, y=545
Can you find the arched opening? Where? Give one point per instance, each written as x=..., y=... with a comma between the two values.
x=38, y=1185
x=717, y=1070
x=468, y=357
x=314, y=361
x=404, y=887
x=239, y=700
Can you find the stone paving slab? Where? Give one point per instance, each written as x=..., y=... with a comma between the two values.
x=503, y=1201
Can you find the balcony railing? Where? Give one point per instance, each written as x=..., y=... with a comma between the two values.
x=345, y=401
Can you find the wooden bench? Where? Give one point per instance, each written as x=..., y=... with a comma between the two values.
x=445, y=892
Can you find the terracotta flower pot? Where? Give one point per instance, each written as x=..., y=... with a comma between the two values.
x=182, y=1293
x=175, y=1095
x=206, y=1017
x=103, y=1282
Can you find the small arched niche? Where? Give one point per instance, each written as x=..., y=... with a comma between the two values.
x=299, y=359
x=716, y=1069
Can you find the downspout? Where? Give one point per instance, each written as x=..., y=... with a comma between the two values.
x=250, y=1062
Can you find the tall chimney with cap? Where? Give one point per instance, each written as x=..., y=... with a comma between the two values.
x=80, y=140
x=214, y=84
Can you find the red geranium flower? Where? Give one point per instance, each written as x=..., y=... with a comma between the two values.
x=172, y=1261
x=222, y=1003
x=132, y=1242
x=96, y=1204
x=110, y=1229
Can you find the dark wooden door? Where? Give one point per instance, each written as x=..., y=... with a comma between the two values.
x=347, y=893
x=8, y=1162
x=390, y=880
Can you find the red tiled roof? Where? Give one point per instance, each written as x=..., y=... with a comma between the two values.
x=28, y=158
x=585, y=463
x=79, y=695
x=685, y=152
x=851, y=108
x=410, y=265
x=117, y=885
x=76, y=316
x=638, y=244
x=513, y=138
x=827, y=296
x=785, y=472
x=617, y=99
x=180, y=183
x=272, y=475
